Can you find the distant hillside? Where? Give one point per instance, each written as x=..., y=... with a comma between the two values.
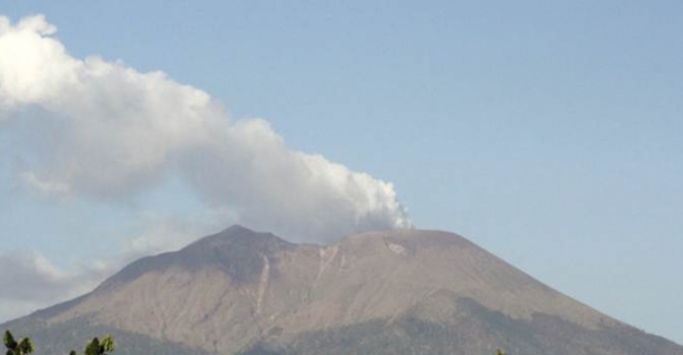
x=394, y=292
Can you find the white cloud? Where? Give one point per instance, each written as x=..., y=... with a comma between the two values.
x=31, y=281
x=162, y=232
x=100, y=129
x=30, y=180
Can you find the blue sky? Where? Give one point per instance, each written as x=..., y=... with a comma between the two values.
x=548, y=133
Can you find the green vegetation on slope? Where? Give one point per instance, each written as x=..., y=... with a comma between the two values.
x=25, y=345
x=22, y=347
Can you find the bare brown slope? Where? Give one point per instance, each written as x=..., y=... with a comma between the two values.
x=235, y=289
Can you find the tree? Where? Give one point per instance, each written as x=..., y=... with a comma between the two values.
x=500, y=352
x=99, y=347
x=22, y=347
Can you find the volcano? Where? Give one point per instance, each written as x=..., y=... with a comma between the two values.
x=391, y=292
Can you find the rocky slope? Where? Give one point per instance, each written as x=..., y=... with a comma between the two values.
x=395, y=292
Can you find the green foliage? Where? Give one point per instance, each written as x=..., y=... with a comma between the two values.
x=22, y=347
x=501, y=352
x=9, y=341
x=25, y=346
x=99, y=347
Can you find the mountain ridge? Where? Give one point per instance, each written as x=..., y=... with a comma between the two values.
x=240, y=290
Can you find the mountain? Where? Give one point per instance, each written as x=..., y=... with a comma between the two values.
x=393, y=292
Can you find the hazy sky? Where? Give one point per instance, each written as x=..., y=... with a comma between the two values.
x=550, y=133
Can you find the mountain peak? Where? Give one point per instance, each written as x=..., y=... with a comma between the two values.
x=238, y=236
x=405, y=242
x=237, y=250
x=389, y=292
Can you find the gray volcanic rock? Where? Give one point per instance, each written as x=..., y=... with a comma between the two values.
x=393, y=292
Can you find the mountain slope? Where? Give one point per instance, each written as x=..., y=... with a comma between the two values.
x=395, y=292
